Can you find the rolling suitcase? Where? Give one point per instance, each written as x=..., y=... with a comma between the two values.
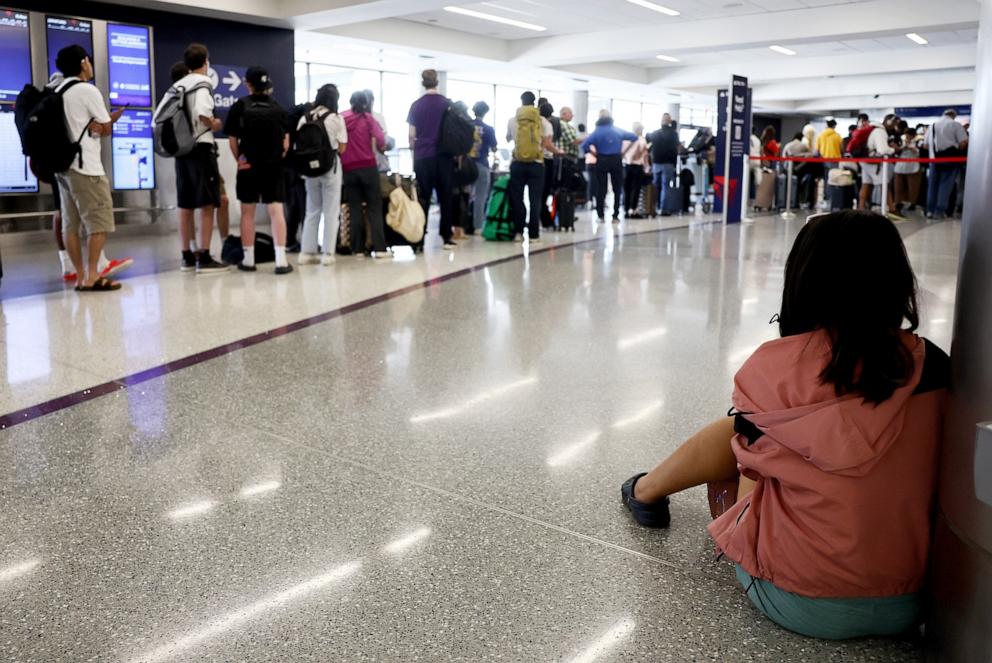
x=565, y=209
x=673, y=200
x=649, y=200
x=841, y=197
x=765, y=196
x=781, y=190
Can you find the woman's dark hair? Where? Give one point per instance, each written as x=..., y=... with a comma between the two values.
x=327, y=96
x=70, y=60
x=768, y=134
x=798, y=136
x=360, y=102
x=178, y=71
x=848, y=274
x=546, y=111
x=582, y=128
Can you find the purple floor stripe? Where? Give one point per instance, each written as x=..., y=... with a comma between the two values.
x=63, y=402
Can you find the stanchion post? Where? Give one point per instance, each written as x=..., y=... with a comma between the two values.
x=885, y=188
x=746, y=191
x=788, y=213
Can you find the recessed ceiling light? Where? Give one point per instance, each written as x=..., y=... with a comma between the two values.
x=667, y=58
x=782, y=49
x=917, y=38
x=655, y=7
x=495, y=19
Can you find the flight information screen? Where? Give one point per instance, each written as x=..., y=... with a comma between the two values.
x=133, y=153
x=129, y=63
x=62, y=31
x=15, y=176
x=15, y=54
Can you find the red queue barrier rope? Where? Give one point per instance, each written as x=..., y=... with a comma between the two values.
x=862, y=159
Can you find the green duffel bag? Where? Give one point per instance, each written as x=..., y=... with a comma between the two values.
x=499, y=225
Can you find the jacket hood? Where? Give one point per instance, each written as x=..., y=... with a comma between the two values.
x=779, y=390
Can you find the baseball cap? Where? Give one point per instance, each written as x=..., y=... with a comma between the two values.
x=258, y=77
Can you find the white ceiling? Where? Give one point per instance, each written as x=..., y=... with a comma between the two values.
x=857, y=49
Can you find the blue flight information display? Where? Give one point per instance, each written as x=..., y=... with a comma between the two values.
x=129, y=63
x=15, y=174
x=133, y=151
x=15, y=53
x=62, y=31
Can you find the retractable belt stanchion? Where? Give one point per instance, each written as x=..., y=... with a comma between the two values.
x=788, y=213
x=746, y=191
x=885, y=188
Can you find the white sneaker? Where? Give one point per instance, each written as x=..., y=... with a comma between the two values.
x=308, y=259
x=382, y=255
x=328, y=259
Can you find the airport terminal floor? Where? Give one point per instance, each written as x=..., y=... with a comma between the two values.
x=412, y=460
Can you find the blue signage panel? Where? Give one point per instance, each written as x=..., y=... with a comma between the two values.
x=229, y=86
x=129, y=64
x=62, y=31
x=739, y=142
x=15, y=54
x=719, y=176
x=133, y=151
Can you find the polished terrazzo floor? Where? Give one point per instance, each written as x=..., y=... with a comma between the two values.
x=430, y=477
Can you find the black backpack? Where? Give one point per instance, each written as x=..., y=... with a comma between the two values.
x=233, y=253
x=261, y=131
x=457, y=133
x=40, y=119
x=313, y=155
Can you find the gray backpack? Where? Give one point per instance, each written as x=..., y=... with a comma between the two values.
x=175, y=130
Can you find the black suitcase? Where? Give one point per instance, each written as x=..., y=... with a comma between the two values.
x=780, y=191
x=565, y=209
x=673, y=200
x=841, y=197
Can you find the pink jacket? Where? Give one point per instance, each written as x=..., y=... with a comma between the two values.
x=363, y=130
x=844, y=488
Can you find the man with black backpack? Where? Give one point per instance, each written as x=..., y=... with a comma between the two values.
x=258, y=131
x=434, y=168
x=197, y=175
x=83, y=185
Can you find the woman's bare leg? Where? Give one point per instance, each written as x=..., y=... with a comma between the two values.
x=703, y=458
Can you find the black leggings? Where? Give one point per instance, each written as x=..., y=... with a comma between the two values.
x=633, y=179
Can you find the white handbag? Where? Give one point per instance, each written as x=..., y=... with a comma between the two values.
x=405, y=215
x=840, y=177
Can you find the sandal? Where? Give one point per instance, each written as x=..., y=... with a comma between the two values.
x=100, y=285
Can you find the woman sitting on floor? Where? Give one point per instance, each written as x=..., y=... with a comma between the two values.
x=822, y=483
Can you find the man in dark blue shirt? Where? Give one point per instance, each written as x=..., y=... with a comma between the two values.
x=606, y=141
x=485, y=143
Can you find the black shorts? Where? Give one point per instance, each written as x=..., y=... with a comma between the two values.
x=264, y=183
x=197, y=178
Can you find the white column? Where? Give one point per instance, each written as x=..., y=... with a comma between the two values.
x=580, y=106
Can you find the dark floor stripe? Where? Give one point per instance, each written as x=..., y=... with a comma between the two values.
x=63, y=402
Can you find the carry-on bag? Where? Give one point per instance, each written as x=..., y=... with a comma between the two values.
x=499, y=225
x=765, y=196
x=565, y=209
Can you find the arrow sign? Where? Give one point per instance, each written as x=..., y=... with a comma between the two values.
x=232, y=80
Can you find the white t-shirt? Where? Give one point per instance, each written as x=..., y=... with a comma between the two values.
x=200, y=103
x=83, y=104
x=334, y=123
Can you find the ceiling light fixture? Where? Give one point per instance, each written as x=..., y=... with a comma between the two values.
x=655, y=7
x=667, y=58
x=782, y=49
x=495, y=19
x=919, y=39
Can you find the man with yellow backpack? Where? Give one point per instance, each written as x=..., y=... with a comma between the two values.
x=531, y=135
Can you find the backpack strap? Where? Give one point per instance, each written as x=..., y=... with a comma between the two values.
x=61, y=92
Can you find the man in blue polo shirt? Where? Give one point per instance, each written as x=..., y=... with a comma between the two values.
x=606, y=141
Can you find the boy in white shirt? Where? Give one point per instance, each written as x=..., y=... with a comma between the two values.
x=84, y=188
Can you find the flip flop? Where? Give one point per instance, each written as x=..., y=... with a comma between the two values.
x=100, y=285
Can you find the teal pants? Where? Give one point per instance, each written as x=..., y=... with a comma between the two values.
x=832, y=619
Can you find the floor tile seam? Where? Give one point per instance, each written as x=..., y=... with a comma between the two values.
x=30, y=412
x=465, y=499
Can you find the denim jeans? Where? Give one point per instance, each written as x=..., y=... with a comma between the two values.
x=323, y=199
x=480, y=193
x=940, y=183
x=661, y=175
x=531, y=175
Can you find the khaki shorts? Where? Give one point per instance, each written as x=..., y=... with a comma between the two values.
x=85, y=201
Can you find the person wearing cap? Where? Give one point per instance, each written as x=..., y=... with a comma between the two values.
x=84, y=190
x=258, y=132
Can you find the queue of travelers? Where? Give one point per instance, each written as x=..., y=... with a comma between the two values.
x=334, y=161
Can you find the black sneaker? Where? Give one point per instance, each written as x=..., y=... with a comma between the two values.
x=188, y=263
x=247, y=268
x=648, y=515
x=284, y=270
x=448, y=245
x=205, y=264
